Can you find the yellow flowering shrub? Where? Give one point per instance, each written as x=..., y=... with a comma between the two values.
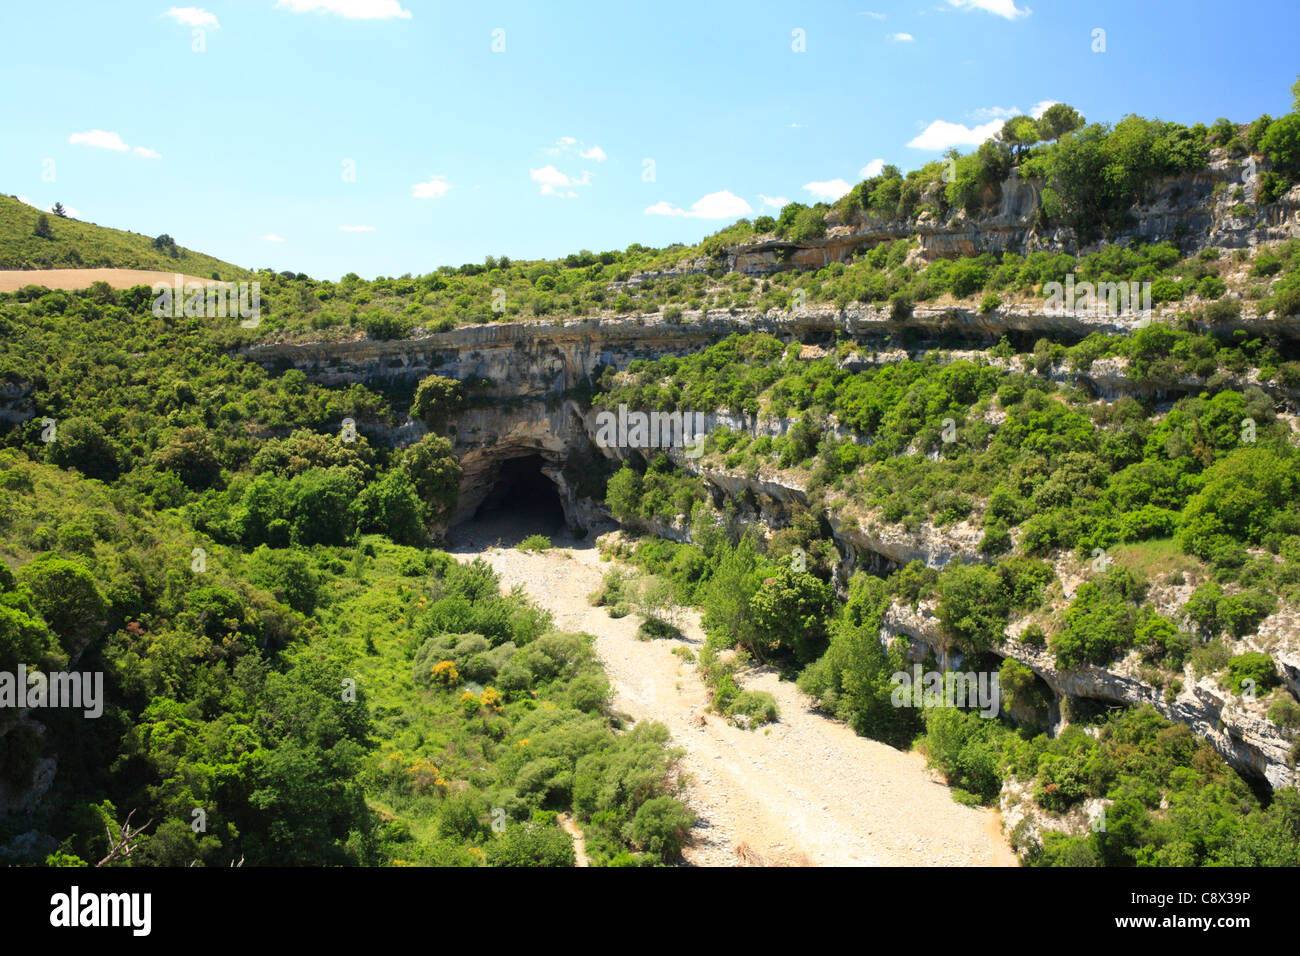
x=445, y=673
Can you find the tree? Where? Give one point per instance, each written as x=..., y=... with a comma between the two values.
x=59, y=211
x=67, y=597
x=1019, y=132
x=1281, y=144
x=320, y=502
x=83, y=444
x=1058, y=120
x=790, y=610
x=623, y=494
x=973, y=606
x=661, y=825
x=436, y=398
x=727, y=608
x=435, y=473
x=42, y=228
x=390, y=506
x=191, y=457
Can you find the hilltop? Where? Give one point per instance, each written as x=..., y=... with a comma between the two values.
x=84, y=245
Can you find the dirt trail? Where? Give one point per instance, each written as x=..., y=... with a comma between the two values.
x=804, y=791
x=579, y=840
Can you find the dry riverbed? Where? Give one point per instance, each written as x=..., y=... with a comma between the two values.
x=804, y=791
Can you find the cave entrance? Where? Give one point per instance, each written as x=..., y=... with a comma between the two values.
x=522, y=501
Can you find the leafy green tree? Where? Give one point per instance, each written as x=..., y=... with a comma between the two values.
x=288, y=574
x=320, y=505
x=1019, y=132
x=436, y=473
x=67, y=597
x=1057, y=120
x=437, y=398
x=81, y=443
x=789, y=612
x=661, y=826
x=973, y=606
x=728, y=608
x=623, y=494
x=531, y=844
x=391, y=506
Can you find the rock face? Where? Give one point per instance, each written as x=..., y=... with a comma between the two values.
x=1236, y=728
x=1181, y=208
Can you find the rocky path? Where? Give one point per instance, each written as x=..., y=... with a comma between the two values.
x=803, y=791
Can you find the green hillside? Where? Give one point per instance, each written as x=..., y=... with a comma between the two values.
x=84, y=245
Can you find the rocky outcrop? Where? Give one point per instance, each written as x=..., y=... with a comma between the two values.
x=1232, y=725
x=1184, y=209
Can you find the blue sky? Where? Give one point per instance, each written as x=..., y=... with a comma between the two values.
x=388, y=136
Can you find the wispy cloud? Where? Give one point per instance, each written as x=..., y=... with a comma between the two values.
x=1001, y=8
x=941, y=135
x=872, y=14
x=349, y=9
x=1041, y=107
x=435, y=188
x=272, y=237
x=105, y=139
x=552, y=182
x=828, y=191
x=873, y=168
x=595, y=153
x=902, y=37
x=193, y=17
x=720, y=205
x=100, y=139
x=773, y=202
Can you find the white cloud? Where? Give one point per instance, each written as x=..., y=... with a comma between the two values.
x=553, y=182
x=941, y=135
x=100, y=139
x=357, y=228
x=720, y=205
x=595, y=153
x=193, y=17
x=349, y=9
x=1001, y=8
x=1042, y=107
x=902, y=37
x=873, y=168
x=872, y=14
x=435, y=188
x=272, y=237
x=567, y=140
x=25, y=200
x=775, y=202
x=103, y=139
x=828, y=191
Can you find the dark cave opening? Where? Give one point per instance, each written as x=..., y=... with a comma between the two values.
x=524, y=497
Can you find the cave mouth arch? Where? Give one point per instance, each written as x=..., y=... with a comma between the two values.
x=521, y=501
